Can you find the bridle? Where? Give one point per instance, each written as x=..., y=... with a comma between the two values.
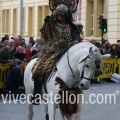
x=73, y=75
x=96, y=69
x=82, y=75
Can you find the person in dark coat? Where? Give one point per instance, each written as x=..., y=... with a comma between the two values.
x=19, y=54
x=15, y=79
x=36, y=50
x=5, y=55
x=31, y=40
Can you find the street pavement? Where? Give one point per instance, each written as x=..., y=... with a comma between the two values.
x=90, y=110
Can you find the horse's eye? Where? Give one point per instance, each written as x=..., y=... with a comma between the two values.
x=87, y=66
x=97, y=66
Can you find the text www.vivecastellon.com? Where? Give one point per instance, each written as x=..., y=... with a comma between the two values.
x=56, y=98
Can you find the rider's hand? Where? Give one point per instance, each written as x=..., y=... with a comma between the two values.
x=46, y=20
x=55, y=12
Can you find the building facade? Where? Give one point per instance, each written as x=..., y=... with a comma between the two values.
x=34, y=12
x=110, y=9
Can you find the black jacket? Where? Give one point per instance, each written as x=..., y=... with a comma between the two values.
x=20, y=56
x=34, y=52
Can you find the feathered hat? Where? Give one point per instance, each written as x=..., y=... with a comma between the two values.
x=71, y=4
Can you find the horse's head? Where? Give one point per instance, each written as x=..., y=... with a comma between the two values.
x=90, y=65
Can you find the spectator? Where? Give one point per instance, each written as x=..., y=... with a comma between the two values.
x=38, y=41
x=20, y=37
x=12, y=52
x=11, y=42
x=6, y=37
x=13, y=48
x=23, y=40
x=15, y=79
x=113, y=51
x=106, y=47
x=23, y=44
x=17, y=41
x=5, y=55
x=12, y=38
x=5, y=43
x=19, y=55
x=104, y=40
x=98, y=44
x=31, y=40
x=91, y=40
x=118, y=49
x=3, y=39
x=28, y=52
x=101, y=49
x=36, y=50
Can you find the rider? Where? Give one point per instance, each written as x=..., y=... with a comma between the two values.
x=59, y=33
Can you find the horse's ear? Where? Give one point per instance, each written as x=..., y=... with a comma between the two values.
x=105, y=56
x=91, y=53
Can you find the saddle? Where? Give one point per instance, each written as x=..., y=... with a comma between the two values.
x=45, y=65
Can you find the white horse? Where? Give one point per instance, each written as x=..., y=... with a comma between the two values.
x=76, y=66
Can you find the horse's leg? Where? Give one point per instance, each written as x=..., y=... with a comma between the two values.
x=46, y=111
x=30, y=106
x=51, y=109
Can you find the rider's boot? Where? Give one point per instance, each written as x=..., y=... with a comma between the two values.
x=37, y=91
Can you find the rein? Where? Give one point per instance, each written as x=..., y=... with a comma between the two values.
x=70, y=65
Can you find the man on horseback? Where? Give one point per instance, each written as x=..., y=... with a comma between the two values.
x=60, y=34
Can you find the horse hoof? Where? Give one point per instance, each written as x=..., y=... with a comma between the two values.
x=47, y=117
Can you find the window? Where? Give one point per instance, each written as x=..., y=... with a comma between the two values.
x=30, y=21
x=15, y=21
x=5, y=21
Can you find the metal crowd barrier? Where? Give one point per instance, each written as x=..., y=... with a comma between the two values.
x=108, y=67
x=118, y=65
x=4, y=72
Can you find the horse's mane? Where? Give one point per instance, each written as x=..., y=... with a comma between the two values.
x=83, y=46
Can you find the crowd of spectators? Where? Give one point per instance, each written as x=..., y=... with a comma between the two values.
x=17, y=51
x=107, y=48
x=15, y=48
